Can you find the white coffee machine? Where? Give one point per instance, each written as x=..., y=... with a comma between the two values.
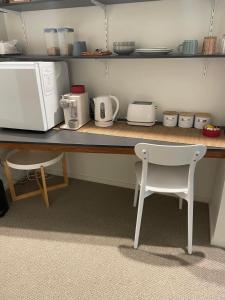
x=76, y=108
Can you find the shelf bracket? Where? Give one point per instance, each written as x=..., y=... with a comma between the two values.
x=104, y=8
x=212, y=17
x=20, y=15
x=99, y=4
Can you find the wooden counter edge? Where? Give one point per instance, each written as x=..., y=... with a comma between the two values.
x=211, y=153
x=68, y=148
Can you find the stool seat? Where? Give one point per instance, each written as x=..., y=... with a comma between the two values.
x=31, y=160
x=34, y=160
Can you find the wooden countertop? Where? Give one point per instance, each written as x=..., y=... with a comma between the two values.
x=118, y=139
x=157, y=133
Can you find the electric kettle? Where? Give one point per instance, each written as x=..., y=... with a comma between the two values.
x=104, y=115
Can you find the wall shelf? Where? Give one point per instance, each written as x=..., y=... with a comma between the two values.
x=56, y=4
x=110, y=57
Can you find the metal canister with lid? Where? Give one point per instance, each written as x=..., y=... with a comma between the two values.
x=186, y=119
x=170, y=118
x=202, y=119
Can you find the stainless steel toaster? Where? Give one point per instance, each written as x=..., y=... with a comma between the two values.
x=141, y=113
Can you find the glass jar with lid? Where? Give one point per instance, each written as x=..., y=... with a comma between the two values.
x=51, y=40
x=66, y=40
x=222, y=45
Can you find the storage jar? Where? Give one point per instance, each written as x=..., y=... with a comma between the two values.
x=202, y=119
x=170, y=118
x=222, y=45
x=66, y=40
x=51, y=40
x=186, y=120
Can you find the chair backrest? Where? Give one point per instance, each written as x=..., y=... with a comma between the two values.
x=167, y=155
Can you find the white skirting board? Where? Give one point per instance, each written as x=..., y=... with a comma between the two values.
x=104, y=181
x=118, y=170
x=124, y=184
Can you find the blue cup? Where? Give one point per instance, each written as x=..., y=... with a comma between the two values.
x=78, y=47
x=188, y=47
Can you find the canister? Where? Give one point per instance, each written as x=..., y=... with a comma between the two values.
x=51, y=40
x=66, y=40
x=170, y=118
x=202, y=119
x=186, y=119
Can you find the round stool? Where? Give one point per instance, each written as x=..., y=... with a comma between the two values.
x=34, y=160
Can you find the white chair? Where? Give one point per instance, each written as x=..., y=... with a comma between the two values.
x=170, y=170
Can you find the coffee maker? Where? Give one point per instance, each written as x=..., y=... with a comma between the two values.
x=75, y=107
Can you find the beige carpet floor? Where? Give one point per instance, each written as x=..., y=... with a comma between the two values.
x=81, y=248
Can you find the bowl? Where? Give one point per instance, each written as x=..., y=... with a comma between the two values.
x=123, y=48
x=215, y=132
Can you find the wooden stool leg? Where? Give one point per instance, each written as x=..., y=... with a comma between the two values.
x=45, y=192
x=65, y=172
x=9, y=178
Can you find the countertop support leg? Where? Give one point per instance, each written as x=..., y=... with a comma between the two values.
x=217, y=208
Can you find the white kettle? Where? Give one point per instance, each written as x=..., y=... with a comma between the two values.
x=104, y=115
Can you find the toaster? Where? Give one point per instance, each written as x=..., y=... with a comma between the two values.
x=141, y=113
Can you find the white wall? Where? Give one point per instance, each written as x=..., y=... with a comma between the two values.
x=2, y=28
x=17, y=175
x=2, y=37
x=173, y=84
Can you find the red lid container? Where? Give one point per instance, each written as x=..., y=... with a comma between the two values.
x=211, y=133
x=77, y=89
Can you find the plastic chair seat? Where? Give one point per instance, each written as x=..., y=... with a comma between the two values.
x=167, y=179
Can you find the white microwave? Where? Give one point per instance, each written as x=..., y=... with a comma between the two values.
x=30, y=94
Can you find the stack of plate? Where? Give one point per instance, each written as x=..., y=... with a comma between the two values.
x=157, y=50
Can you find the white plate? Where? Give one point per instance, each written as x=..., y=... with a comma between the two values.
x=153, y=50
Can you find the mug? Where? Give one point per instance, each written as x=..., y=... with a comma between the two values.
x=78, y=47
x=188, y=47
x=209, y=45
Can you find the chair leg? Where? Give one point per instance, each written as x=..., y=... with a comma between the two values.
x=45, y=192
x=136, y=194
x=190, y=225
x=139, y=217
x=180, y=203
x=9, y=179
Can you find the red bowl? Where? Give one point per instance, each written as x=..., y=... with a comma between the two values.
x=211, y=133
